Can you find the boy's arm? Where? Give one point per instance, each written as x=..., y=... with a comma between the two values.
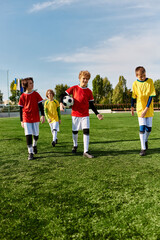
x=59, y=113
x=133, y=101
x=146, y=109
x=41, y=108
x=61, y=101
x=94, y=109
x=21, y=116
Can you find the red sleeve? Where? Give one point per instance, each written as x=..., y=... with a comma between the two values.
x=91, y=98
x=39, y=98
x=70, y=90
x=21, y=102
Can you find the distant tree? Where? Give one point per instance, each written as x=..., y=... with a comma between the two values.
x=97, y=85
x=119, y=91
x=107, y=92
x=59, y=89
x=1, y=97
x=15, y=94
x=157, y=88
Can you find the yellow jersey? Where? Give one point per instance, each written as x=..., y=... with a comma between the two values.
x=51, y=109
x=142, y=90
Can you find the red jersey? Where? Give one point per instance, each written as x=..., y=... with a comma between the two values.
x=81, y=97
x=29, y=102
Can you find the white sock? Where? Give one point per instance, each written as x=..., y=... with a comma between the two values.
x=54, y=135
x=86, y=142
x=147, y=135
x=142, y=139
x=75, y=139
x=34, y=142
x=30, y=148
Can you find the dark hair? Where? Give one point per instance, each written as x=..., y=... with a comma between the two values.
x=140, y=68
x=24, y=82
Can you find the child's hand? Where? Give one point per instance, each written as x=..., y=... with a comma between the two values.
x=100, y=117
x=42, y=119
x=22, y=124
x=62, y=107
x=132, y=111
x=144, y=112
x=59, y=121
x=49, y=120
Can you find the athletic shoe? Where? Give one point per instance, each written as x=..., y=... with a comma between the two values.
x=142, y=153
x=53, y=144
x=146, y=144
x=30, y=156
x=56, y=141
x=74, y=149
x=35, y=149
x=88, y=155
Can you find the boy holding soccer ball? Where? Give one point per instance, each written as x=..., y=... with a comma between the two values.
x=143, y=90
x=83, y=99
x=52, y=113
x=30, y=103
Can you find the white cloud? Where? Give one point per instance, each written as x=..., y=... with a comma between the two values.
x=118, y=55
x=50, y=5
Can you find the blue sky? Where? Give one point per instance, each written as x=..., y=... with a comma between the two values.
x=53, y=40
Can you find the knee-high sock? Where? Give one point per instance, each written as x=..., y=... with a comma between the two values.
x=142, y=139
x=35, y=139
x=54, y=133
x=75, y=139
x=147, y=135
x=30, y=148
x=86, y=142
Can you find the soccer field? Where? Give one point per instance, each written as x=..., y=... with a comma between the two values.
x=62, y=196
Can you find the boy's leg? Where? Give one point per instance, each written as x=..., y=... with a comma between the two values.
x=35, y=139
x=28, y=134
x=35, y=130
x=75, y=138
x=85, y=126
x=76, y=125
x=142, y=125
x=54, y=128
x=148, y=130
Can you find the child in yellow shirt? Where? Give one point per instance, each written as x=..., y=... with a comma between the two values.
x=143, y=90
x=52, y=113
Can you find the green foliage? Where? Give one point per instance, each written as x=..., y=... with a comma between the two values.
x=60, y=89
x=157, y=88
x=102, y=90
x=62, y=196
x=15, y=95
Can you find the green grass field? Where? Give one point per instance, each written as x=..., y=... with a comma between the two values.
x=60, y=196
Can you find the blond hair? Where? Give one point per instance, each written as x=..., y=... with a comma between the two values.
x=86, y=74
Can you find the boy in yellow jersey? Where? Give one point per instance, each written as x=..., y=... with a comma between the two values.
x=52, y=113
x=143, y=90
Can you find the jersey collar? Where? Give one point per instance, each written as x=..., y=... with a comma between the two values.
x=142, y=81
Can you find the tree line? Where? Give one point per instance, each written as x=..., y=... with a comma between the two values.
x=103, y=91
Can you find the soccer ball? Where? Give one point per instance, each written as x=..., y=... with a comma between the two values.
x=68, y=101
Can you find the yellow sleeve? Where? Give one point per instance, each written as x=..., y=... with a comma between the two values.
x=134, y=91
x=153, y=92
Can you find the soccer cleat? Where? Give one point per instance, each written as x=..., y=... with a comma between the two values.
x=142, y=153
x=35, y=149
x=146, y=144
x=74, y=149
x=53, y=144
x=88, y=155
x=30, y=156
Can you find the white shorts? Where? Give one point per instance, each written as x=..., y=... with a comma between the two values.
x=145, y=121
x=31, y=128
x=80, y=123
x=54, y=125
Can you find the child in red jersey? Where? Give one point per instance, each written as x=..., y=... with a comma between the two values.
x=30, y=103
x=83, y=99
